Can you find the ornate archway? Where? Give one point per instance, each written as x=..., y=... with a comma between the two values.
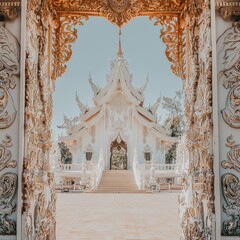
x=186, y=33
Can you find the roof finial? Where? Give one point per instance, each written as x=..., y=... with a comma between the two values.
x=120, y=53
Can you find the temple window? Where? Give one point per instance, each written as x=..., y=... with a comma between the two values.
x=147, y=156
x=88, y=156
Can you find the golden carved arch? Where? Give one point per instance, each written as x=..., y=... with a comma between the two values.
x=70, y=13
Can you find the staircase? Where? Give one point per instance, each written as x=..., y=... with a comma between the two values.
x=117, y=181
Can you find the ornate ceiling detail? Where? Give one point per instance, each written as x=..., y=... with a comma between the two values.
x=118, y=12
x=228, y=8
x=10, y=8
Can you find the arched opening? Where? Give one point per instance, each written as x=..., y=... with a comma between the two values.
x=176, y=20
x=118, y=158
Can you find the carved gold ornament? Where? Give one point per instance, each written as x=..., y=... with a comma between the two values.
x=10, y=9
x=228, y=8
x=118, y=12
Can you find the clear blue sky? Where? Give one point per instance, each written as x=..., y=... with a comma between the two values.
x=96, y=46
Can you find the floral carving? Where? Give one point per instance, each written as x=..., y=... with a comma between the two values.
x=231, y=194
x=172, y=35
x=9, y=72
x=8, y=187
x=6, y=155
x=229, y=73
x=65, y=35
x=10, y=9
x=228, y=8
x=119, y=12
x=233, y=155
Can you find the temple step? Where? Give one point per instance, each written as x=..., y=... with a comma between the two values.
x=117, y=181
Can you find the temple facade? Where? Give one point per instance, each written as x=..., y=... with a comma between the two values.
x=119, y=125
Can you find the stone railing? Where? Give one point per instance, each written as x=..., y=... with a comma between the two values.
x=89, y=173
x=70, y=167
x=146, y=175
x=174, y=168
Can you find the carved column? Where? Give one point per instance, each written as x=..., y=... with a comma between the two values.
x=197, y=200
x=228, y=92
x=39, y=191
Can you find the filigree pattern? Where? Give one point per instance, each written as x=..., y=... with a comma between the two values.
x=119, y=12
x=8, y=187
x=229, y=73
x=65, y=35
x=38, y=181
x=6, y=155
x=199, y=181
x=228, y=8
x=10, y=9
x=171, y=36
x=9, y=72
x=231, y=194
x=233, y=155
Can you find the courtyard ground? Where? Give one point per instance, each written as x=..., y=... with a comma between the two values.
x=85, y=216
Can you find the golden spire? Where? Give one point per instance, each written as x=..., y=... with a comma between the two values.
x=120, y=53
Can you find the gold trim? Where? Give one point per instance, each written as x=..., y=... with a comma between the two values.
x=10, y=9
x=118, y=12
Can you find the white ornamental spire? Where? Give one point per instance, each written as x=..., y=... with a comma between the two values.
x=95, y=88
x=120, y=52
x=144, y=85
x=153, y=109
x=84, y=109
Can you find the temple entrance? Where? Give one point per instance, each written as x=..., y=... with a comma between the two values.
x=118, y=158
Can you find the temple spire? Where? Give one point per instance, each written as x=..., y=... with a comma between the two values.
x=120, y=52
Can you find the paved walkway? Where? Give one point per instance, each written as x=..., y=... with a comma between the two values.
x=117, y=216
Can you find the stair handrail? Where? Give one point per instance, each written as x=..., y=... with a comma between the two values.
x=97, y=174
x=137, y=171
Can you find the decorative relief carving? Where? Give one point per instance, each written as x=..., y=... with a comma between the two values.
x=8, y=187
x=228, y=8
x=197, y=212
x=231, y=194
x=231, y=112
x=6, y=155
x=233, y=155
x=9, y=71
x=64, y=36
x=119, y=12
x=172, y=35
x=10, y=9
x=229, y=73
x=38, y=179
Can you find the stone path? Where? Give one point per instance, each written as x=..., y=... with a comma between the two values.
x=82, y=216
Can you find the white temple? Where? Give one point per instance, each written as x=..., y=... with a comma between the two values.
x=119, y=126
